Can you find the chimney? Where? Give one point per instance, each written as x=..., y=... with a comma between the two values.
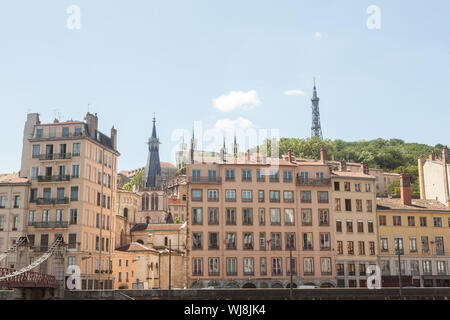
x=28, y=131
x=365, y=167
x=114, y=138
x=92, y=124
x=323, y=155
x=290, y=155
x=432, y=156
x=405, y=189
x=343, y=165
x=247, y=156
x=445, y=154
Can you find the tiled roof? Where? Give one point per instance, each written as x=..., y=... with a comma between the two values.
x=134, y=246
x=352, y=174
x=416, y=205
x=167, y=164
x=139, y=227
x=12, y=178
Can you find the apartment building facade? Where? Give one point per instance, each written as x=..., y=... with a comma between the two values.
x=354, y=209
x=72, y=168
x=248, y=215
x=13, y=213
x=419, y=230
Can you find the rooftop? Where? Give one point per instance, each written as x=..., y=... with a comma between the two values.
x=352, y=174
x=416, y=205
x=12, y=178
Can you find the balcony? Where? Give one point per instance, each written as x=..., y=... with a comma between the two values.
x=261, y=179
x=274, y=179
x=57, y=178
x=313, y=182
x=55, y=156
x=205, y=180
x=51, y=201
x=50, y=224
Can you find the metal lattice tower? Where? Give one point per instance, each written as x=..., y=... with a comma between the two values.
x=316, y=129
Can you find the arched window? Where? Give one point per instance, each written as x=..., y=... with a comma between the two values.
x=146, y=201
x=140, y=242
x=156, y=202
x=147, y=220
x=125, y=212
x=153, y=202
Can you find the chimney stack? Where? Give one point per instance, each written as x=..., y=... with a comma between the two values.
x=92, y=124
x=365, y=167
x=323, y=155
x=343, y=165
x=114, y=137
x=432, y=156
x=247, y=155
x=445, y=154
x=290, y=155
x=405, y=189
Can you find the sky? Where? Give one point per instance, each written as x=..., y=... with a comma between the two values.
x=233, y=65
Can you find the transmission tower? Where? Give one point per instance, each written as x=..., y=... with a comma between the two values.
x=316, y=129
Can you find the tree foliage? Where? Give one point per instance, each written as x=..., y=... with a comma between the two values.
x=135, y=181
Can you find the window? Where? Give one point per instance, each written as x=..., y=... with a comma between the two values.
x=16, y=201
x=77, y=131
x=52, y=132
x=73, y=216
x=360, y=226
x=246, y=175
x=34, y=173
x=262, y=241
x=368, y=187
x=291, y=264
x=230, y=195
x=347, y=186
x=230, y=240
x=358, y=205
x=287, y=176
x=369, y=205
x=36, y=151
x=338, y=226
x=276, y=267
x=411, y=222
x=39, y=133
x=325, y=241
x=45, y=216
x=306, y=217
x=274, y=176
x=262, y=266
x=305, y=196
x=308, y=266
x=340, y=247
x=274, y=196
x=382, y=220
x=439, y=245
x=213, y=195
x=196, y=195
x=397, y=220
x=275, y=216
x=289, y=217
x=412, y=244
x=325, y=266
x=372, y=247
x=307, y=241
x=260, y=175
x=322, y=196
x=324, y=217
x=197, y=266
x=72, y=241
x=73, y=193
x=275, y=241
x=441, y=267
x=213, y=240
x=262, y=217
x=197, y=241
x=357, y=187
x=349, y=226
x=350, y=248
x=197, y=216
x=437, y=222
x=348, y=204
x=337, y=186
x=248, y=241
x=231, y=266
x=75, y=171
x=304, y=175
x=337, y=204
x=246, y=195
x=213, y=216
x=261, y=195
x=230, y=216
x=398, y=245
x=247, y=214
x=288, y=196
x=361, y=248
x=290, y=240
x=249, y=266
x=340, y=269
x=229, y=175
x=425, y=244
x=196, y=175
x=423, y=221
x=426, y=264
x=351, y=269
x=370, y=226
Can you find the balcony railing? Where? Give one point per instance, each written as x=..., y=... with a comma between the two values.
x=49, y=224
x=51, y=201
x=55, y=156
x=313, y=182
x=57, y=178
x=205, y=180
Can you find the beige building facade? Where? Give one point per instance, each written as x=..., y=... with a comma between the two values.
x=72, y=168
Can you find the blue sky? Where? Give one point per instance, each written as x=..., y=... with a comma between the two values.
x=132, y=58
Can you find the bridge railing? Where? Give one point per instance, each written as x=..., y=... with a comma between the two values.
x=27, y=280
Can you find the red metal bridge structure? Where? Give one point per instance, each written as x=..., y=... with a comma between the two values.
x=26, y=280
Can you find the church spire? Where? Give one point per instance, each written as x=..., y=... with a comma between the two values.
x=152, y=177
x=316, y=129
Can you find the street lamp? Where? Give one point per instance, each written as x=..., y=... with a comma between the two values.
x=399, y=267
x=291, y=238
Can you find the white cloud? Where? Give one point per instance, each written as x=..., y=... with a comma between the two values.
x=229, y=124
x=320, y=35
x=236, y=99
x=294, y=93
